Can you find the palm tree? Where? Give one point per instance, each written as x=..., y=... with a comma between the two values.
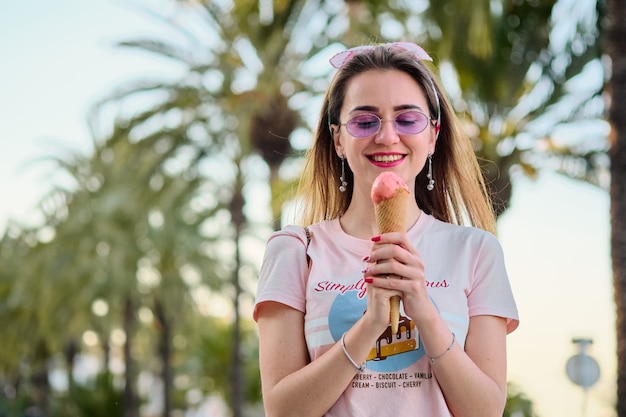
x=615, y=37
x=97, y=220
x=23, y=361
x=231, y=120
x=511, y=77
x=179, y=245
x=128, y=213
x=38, y=301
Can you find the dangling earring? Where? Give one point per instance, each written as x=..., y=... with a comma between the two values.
x=342, y=178
x=431, y=181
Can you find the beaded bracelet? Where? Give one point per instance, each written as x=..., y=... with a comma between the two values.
x=361, y=367
x=432, y=360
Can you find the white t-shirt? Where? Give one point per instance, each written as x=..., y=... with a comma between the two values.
x=466, y=277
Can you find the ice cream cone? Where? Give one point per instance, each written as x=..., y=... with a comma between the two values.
x=391, y=213
x=391, y=202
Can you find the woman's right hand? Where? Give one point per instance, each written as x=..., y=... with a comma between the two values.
x=378, y=303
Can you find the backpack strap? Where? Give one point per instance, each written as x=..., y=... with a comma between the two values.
x=308, y=241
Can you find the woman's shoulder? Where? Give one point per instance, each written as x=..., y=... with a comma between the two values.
x=288, y=233
x=325, y=226
x=456, y=231
x=303, y=233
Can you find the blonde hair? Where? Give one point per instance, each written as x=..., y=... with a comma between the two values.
x=460, y=195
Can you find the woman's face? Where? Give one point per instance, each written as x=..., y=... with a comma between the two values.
x=385, y=94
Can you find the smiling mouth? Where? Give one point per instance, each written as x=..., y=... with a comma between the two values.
x=386, y=158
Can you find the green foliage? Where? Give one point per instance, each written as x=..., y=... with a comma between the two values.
x=15, y=405
x=214, y=353
x=518, y=404
x=98, y=398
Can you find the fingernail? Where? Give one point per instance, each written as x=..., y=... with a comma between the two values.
x=365, y=271
x=366, y=258
x=369, y=280
x=375, y=238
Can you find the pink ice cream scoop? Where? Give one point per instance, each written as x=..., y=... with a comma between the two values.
x=386, y=185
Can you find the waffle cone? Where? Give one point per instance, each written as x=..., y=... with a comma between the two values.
x=391, y=215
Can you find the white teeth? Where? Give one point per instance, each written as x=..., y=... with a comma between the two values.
x=386, y=158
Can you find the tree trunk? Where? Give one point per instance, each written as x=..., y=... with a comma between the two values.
x=41, y=391
x=106, y=359
x=276, y=213
x=237, y=362
x=165, y=352
x=131, y=408
x=71, y=350
x=617, y=153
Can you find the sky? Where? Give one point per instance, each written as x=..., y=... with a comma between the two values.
x=57, y=58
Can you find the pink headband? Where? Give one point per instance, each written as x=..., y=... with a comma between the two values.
x=340, y=59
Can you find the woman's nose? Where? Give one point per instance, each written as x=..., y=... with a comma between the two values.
x=387, y=133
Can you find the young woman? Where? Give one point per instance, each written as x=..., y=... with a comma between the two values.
x=326, y=348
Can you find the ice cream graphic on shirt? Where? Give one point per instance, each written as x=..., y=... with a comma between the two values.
x=392, y=352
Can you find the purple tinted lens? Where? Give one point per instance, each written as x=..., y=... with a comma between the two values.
x=363, y=125
x=411, y=122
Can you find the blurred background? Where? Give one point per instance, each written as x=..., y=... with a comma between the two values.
x=148, y=148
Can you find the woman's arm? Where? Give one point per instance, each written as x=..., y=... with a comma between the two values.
x=473, y=381
x=292, y=385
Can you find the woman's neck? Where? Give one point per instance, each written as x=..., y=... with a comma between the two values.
x=359, y=220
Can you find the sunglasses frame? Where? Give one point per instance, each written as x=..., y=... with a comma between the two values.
x=428, y=119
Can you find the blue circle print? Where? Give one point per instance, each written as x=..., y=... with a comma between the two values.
x=345, y=311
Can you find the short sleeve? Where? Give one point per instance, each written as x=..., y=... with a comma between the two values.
x=491, y=292
x=284, y=270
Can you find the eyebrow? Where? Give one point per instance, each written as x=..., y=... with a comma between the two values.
x=376, y=109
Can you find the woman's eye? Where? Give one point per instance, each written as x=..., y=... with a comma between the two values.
x=366, y=123
x=365, y=120
x=410, y=118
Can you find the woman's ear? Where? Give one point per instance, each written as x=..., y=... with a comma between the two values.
x=339, y=150
x=334, y=130
x=433, y=140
